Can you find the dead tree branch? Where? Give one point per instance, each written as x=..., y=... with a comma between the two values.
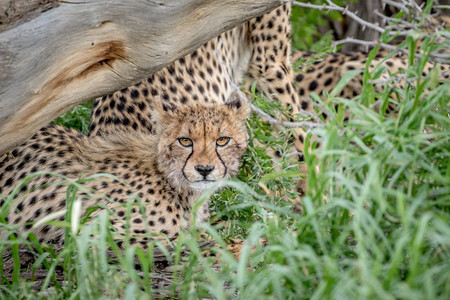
x=79, y=50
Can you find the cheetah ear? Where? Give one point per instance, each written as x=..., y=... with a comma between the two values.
x=238, y=105
x=163, y=113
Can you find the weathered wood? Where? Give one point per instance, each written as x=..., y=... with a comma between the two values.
x=79, y=50
x=16, y=12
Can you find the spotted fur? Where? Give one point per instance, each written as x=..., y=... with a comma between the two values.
x=160, y=176
x=324, y=72
x=258, y=50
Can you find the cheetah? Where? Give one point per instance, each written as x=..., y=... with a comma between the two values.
x=321, y=72
x=257, y=50
x=162, y=174
x=324, y=72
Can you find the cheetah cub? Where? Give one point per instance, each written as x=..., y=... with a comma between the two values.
x=163, y=175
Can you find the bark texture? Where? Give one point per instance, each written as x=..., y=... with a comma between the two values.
x=57, y=54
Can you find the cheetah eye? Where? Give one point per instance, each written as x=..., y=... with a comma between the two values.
x=222, y=141
x=185, y=142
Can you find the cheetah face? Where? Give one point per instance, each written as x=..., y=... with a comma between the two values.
x=207, y=158
x=203, y=144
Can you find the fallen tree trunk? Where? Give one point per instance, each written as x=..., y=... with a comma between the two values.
x=57, y=54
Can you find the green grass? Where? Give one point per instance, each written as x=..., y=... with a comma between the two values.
x=375, y=222
x=78, y=117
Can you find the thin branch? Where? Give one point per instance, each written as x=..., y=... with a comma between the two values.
x=343, y=10
x=156, y=276
x=394, y=20
x=375, y=26
x=416, y=6
x=273, y=121
x=310, y=114
x=366, y=43
x=443, y=58
x=293, y=153
x=398, y=5
x=401, y=77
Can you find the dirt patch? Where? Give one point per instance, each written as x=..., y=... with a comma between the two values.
x=161, y=275
x=16, y=12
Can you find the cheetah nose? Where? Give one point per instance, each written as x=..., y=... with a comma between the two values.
x=204, y=170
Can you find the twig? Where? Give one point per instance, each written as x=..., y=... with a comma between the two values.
x=401, y=77
x=313, y=115
x=293, y=153
x=344, y=10
x=398, y=5
x=156, y=276
x=394, y=20
x=416, y=6
x=366, y=43
x=443, y=58
x=273, y=121
x=375, y=26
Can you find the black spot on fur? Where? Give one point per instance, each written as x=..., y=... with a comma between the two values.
x=312, y=85
x=134, y=94
x=304, y=105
